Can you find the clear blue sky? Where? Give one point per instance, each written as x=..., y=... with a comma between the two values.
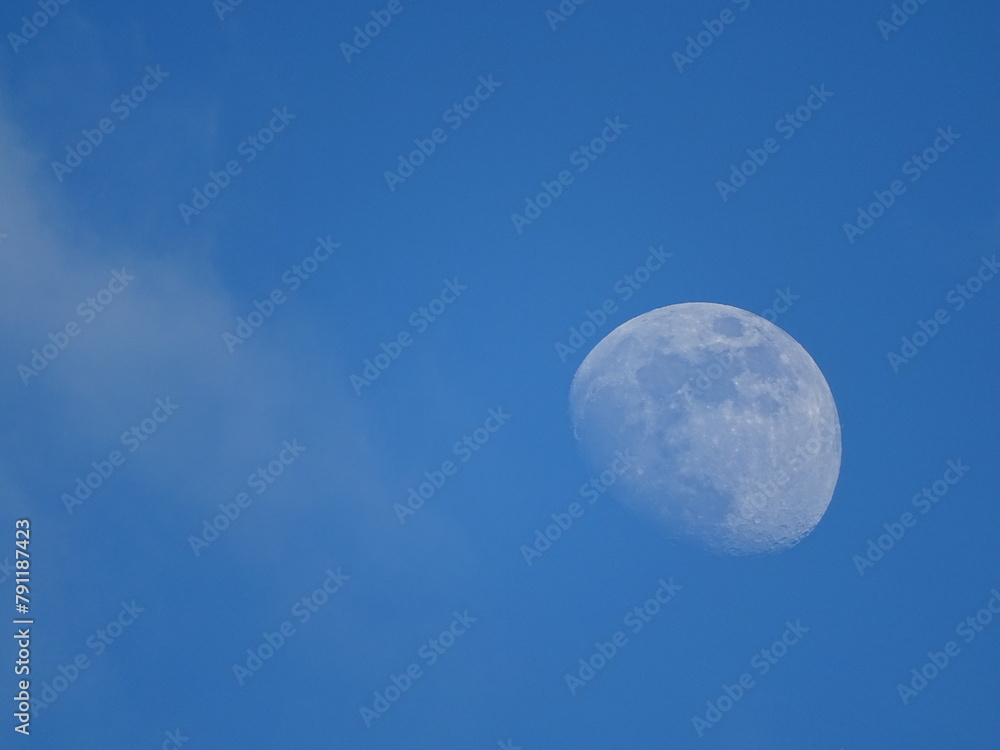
x=164, y=170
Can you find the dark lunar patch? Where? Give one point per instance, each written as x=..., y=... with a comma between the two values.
x=729, y=326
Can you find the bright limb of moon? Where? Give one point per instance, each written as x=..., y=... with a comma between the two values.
x=731, y=427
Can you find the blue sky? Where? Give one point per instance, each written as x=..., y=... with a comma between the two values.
x=432, y=276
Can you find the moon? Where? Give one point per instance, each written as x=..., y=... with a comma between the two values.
x=714, y=423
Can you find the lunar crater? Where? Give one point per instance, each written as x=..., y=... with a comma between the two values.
x=734, y=426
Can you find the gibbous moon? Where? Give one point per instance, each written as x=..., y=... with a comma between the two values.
x=714, y=422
